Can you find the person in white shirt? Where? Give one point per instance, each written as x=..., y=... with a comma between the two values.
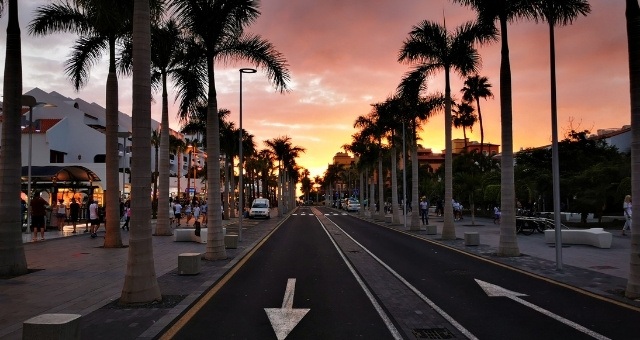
x=94, y=218
x=178, y=212
x=626, y=206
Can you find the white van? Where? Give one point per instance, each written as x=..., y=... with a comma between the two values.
x=260, y=208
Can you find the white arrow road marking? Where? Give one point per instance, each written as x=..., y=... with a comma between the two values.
x=497, y=291
x=284, y=319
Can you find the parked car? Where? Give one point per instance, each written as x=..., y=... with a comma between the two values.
x=352, y=204
x=260, y=208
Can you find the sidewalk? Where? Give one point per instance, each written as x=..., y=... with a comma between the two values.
x=72, y=273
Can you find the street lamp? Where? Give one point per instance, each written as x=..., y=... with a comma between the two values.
x=31, y=102
x=124, y=135
x=241, y=185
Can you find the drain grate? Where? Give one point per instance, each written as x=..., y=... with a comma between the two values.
x=433, y=333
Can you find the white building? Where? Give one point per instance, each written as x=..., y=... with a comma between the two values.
x=70, y=132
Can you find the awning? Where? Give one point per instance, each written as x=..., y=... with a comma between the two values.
x=72, y=173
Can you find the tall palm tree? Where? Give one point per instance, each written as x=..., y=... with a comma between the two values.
x=388, y=111
x=560, y=12
x=12, y=257
x=505, y=11
x=164, y=58
x=464, y=118
x=372, y=127
x=101, y=25
x=476, y=87
x=141, y=283
x=434, y=48
x=217, y=28
x=633, y=41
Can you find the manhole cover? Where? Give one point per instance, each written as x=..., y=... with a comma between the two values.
x=433, y=333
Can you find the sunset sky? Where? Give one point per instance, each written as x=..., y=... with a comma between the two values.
x=342, y=56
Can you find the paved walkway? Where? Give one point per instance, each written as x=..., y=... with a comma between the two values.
x=72, y=273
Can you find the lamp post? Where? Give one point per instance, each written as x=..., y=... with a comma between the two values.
x=31, y=102
x=404, y=178
x=240, y=184
x=124, y=135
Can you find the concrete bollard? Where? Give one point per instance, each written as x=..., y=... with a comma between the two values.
x=189, y=264
x=432, y=229
x=52, y=326
x=471, y=239
x=231, y=241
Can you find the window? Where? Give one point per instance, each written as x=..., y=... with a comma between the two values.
x=101, y=158
x=56, y=156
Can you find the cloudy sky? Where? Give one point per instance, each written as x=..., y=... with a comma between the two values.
x=342, y=56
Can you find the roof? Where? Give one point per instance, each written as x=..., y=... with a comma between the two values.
x=72, y=173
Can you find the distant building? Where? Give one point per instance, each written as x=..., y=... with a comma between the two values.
x=620, y=138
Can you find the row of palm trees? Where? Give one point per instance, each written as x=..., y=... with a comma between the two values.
x=206, y=32
x=431, y=48
x=217, y=31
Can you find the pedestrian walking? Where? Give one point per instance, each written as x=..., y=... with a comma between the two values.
x=94, y=218
x=178, y=212
x=127, y=217
x=187, y=212
x=626, y=206
x=196, y=213
x=74, y=213
x=203, y=212
x=424, y=210
x=38, y=212
x=61, y=214
x=172, y=212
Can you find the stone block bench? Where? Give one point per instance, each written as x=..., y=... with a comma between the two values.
x=189, y=263
x=189, y=235
x=471, y=238
x=596, y=237
x=52, y=326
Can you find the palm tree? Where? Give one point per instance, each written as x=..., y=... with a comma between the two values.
x=505, y=11
x=388, y=112
x=12, y=257
x=476, y=87
x=633, y=41
x=434, y=48
x=164, y=59
x=561, y=12
x=140, y=283
x=372, y=127
x=101, y=25
x=464, y=118
x=217, y=28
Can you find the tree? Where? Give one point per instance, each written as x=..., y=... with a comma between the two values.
x=101, y=25
x=434, y=48
x=633, y=40
x=476, y=87
x=505, y=11
x=141, y=283
x=217, y=28
x=12, y=257
x=164, y=58
x=464, y=118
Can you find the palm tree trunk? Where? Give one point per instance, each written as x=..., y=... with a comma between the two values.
x=633, y=40
x=113, y=239
x=280, y=183
x=508, y=244
x=449, y=229
x=215, y=249
x=162, y=223
x=227, y=184
x=12, y=256
x=140, y=282
x=361, y=212
x=397, y=212
x=154, y=204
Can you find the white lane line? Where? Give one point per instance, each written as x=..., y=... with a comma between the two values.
x=385, y=318
x=440, y=311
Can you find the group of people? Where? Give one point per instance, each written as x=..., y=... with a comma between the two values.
x=190, y=209
x=39, y=207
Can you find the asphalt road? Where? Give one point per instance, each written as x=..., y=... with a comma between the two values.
x=299, y=249
x=424, y=289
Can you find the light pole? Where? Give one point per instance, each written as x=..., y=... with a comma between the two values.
x=240, y=184
x=404, y=177
x=124, y=135
x=31, y=102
